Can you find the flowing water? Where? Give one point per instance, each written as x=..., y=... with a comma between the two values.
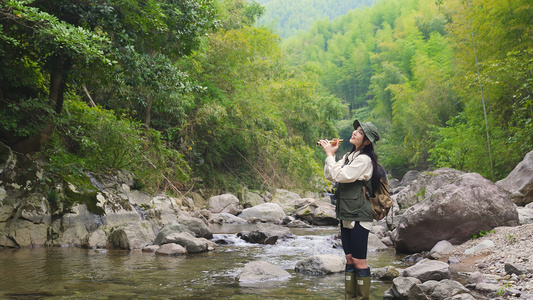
x=74, y=273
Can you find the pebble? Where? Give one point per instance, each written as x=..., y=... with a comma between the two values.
x=513, y=245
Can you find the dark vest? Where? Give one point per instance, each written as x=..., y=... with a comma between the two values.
x=352, y=205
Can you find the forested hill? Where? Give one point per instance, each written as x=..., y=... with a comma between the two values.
x=191, y=95
x=287, y=17
x=449, y=82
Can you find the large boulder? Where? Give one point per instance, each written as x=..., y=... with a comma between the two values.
x=453, y=211
x=269, y=212
x=187, y=240
x=519, y=183
x=135, y=235
x=227, y=203
x=286, y=199
x=316, y=212
x=266, y=234
x=321, y=265
x=424, y=185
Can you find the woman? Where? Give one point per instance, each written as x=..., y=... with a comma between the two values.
x=356, y=172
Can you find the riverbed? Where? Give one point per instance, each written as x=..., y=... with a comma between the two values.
x=75, y=273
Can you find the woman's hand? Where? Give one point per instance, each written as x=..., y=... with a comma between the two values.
x=329, y=147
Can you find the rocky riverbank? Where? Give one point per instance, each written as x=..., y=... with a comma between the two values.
x=506, y=262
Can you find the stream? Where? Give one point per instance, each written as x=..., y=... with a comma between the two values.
x=76, y=273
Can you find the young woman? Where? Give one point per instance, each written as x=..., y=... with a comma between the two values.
x=356, y=172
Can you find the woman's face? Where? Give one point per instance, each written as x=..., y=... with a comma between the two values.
x=358, y=137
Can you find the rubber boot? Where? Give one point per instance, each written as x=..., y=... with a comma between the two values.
x=349, y=283
x=362, y=289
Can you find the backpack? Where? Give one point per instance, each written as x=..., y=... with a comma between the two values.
x=381, y=202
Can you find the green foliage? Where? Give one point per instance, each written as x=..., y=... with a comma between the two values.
x=96, y=140
x=482, y=233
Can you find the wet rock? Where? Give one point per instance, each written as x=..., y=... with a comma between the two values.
x=260, y=271
x=227, y=203
x=385, y=273
x=136, y=235
x=173, y=227
x=269, y=212
x=427, y=269
x=316, y=212
x=226, y=218
x=171, y=250
x=185, y=239
x=321, y=265
x=298, y=224
x=519, y=183
x=195, y=225
x=150, y=248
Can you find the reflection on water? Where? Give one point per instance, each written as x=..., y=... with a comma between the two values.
x=73, y=273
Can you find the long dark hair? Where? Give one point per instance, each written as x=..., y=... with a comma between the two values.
x=377, y=170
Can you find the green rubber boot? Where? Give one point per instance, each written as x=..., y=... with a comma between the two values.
x=362, y=287
x=349, y=283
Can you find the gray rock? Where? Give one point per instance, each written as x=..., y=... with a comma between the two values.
x=407, y=288
x=227, y=203
x=440, y=249
x=260, y=271
x=426, y=270
x=516, y=268
x=409, y=177
x=173, y=227
x=519, y=183
x=226, y=218
x=385, y=273
x=375, y=243
x=270, y=212
x=486, y=244
x=195, y=225
x=286, y=199
x=135, y=235
x=448, y=288
x=251, y=199
x=187, y=240
x=316, y=212
x=298, y=224
x=429, y=286
x=171, y=250
x=455, y=206
x=321, y=265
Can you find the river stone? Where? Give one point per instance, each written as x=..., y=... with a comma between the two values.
x=448, y=288
x=225, y=218
x=22, y=233
x=173, y=227
x=258, y=271
x=316, y=212
x=425, y=270
x=519, y=183
x=321, y=265
x=251, y=199
x=386, y=273
x=455, y=210
x=375, y=243
x=224, y=203
x=486, y=244
x=196, y=225
x=73, y=227
x=286, y=199
x=440, y=249
x=185, y=239
x=270, y=212
x=406, y=288
x=35, y=208
x=171, y=250
x=525, y=215
x=136, y=235
x=96, y=239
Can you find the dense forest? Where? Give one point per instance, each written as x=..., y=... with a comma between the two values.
x=287, y=18
x=194, y=95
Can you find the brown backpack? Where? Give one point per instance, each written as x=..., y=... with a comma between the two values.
x=381, y=202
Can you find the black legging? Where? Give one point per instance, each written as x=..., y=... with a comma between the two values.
x=355, y=241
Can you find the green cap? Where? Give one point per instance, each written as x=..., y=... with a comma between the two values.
x=370, y=130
